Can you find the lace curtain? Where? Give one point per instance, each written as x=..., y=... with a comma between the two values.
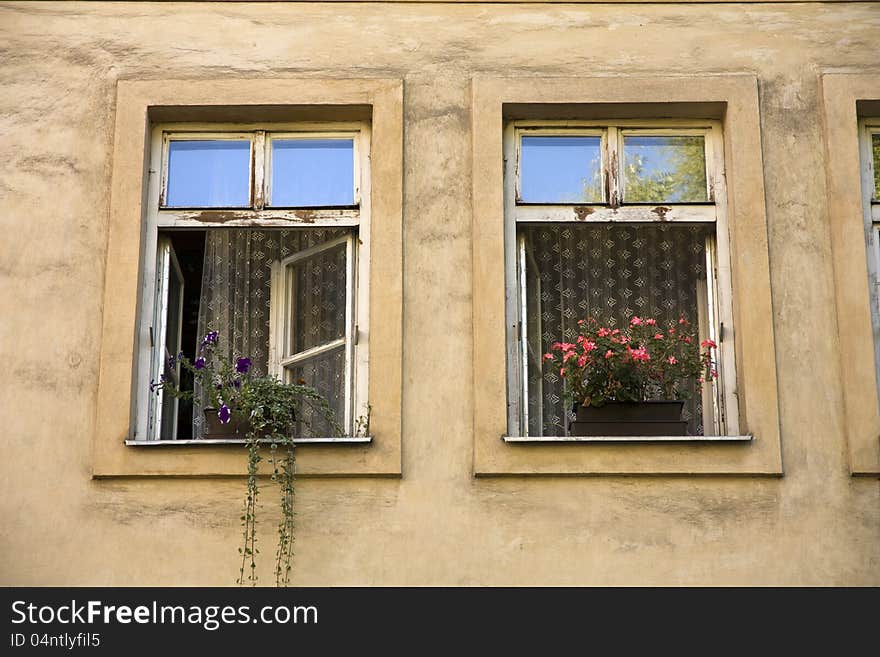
x=610, y=272
x=236, y=292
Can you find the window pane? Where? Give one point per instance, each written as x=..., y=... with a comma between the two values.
x=312, y=172
x=609, y=272
x=317, y=305
x=875, y=144
x=209, y=174
x=326, y=374
x=664, y=169
x=561, y=170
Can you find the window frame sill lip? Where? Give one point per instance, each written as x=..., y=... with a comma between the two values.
x=626, y=439
x=342, y=440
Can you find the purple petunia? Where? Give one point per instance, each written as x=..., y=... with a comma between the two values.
x=199, y=363
x=210, y=339
x=243, y=365
x=223, y=414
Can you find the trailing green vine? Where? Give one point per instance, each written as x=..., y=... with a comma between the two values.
x=270, y=412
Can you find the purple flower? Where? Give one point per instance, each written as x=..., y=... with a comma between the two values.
x=209, y=340
x=200, y=363
x=236, y=383
x=223, y=414
x=243, y=365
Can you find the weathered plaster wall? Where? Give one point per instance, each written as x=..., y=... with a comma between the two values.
x=59, y=64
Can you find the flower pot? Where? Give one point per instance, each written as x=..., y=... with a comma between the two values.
x=648, y=418
x=214, y=429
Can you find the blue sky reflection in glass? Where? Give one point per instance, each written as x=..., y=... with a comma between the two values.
x=664, y=169
x=312, y=172
x=209, y=173
x=560, y=169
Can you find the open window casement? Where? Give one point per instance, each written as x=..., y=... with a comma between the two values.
x=166, y=336
x=312, y=332
x=612, y=222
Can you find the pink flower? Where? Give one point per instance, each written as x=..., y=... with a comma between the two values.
x=651, y=322
x=569, y=355
x=658, y=336
x=714, y=374
x=686, y=338
x=589, y=345
x=615, y=331
x=548, y=356
x=671, y=331
x=602, y=332
x=682, y=321
x=582, y=360
x=640, y=354
x=609, y=354
x=562, y=372
x=700, y=380
x=708, y=343
x=635, y=321
x=671, y=360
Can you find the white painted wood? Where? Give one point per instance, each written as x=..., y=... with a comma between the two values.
x=513, y=312
x=258, y=155
x=728, y=403
x=312, y=440
x=658, y=213
x=302, y=218
x=627, y=439
x=871, y=218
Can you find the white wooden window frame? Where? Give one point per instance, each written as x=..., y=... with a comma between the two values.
x=281, y=335
x=258, y=216
x=871, y=203
x=166, y=268
x=721, y=416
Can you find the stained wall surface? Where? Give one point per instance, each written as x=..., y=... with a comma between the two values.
x=437, y=523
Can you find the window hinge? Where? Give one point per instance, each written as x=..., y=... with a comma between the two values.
x=152, y=340
x=356, y=334
x=721, y=332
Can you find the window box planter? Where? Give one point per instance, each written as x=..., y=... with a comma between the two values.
x=647, y=418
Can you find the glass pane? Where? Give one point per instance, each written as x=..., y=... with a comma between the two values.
x=561, y=170
x=610, y=273
x=312, y=172
x=326, y=374
x=664, y=169
x=209, y=174
x=875, y=144
x=317, y=304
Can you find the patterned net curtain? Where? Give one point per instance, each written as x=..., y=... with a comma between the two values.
x=609, y=272
x=236, y=293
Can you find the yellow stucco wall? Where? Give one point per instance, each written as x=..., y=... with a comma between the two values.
x=437, y=523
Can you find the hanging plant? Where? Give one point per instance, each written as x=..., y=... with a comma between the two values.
x=269, y=413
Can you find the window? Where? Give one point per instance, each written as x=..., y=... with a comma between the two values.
x=870, y=156
x=229, y=259
x=851, y=113
x=611, y=222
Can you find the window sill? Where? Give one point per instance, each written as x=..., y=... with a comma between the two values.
x=627, y=439
x=342, y=440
